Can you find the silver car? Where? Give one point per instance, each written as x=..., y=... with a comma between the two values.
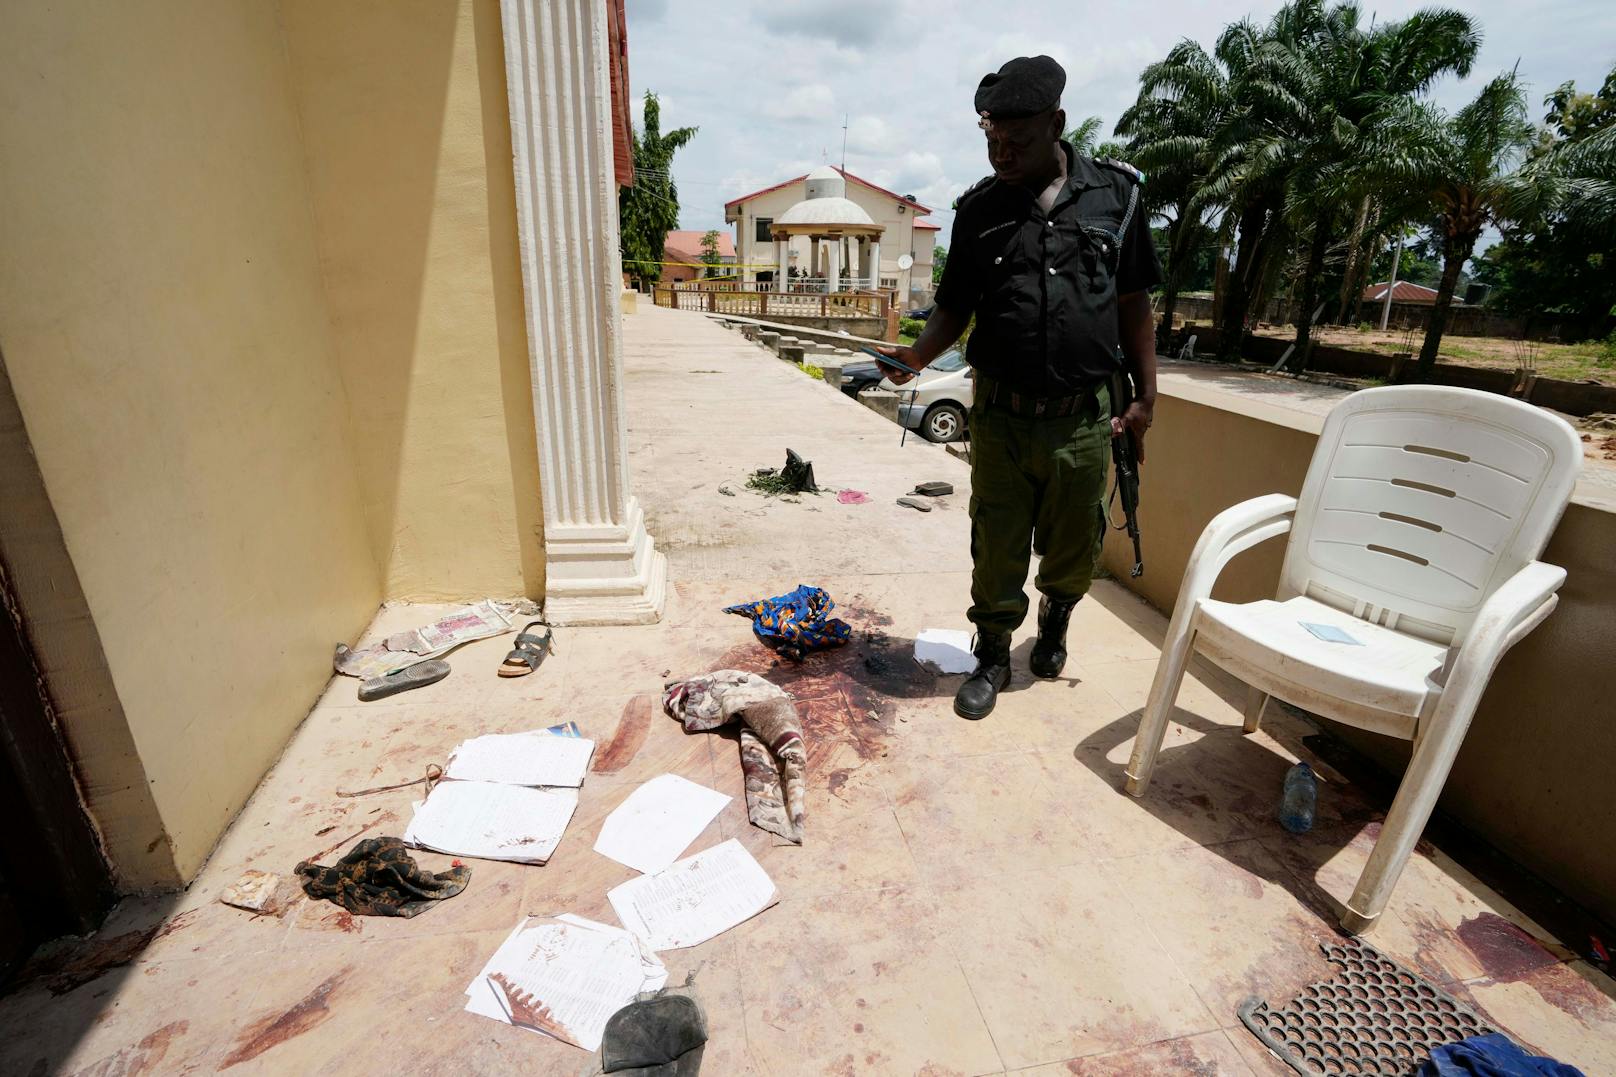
x=936, y=402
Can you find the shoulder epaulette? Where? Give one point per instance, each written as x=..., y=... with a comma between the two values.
x=973, y=189
x=1121, y=166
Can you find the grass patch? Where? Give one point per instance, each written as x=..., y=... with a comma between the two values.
x=1569, y=362
x=814, y=372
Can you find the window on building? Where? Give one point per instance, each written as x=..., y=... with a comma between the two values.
x=763, y=226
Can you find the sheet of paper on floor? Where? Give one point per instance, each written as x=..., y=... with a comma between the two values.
x=697, y=898
x=564, y=976
x=946, y=648
x=657, y=822
x=490, y=821
x=536, y=758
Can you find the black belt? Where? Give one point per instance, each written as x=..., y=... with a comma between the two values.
x=1027, y=406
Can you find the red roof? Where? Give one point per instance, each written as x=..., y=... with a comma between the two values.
x=916, y=206
x=927, y=226
x=688, y=244
x=1402, y=292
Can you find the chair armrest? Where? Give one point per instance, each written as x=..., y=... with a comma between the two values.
x=1231, y=532
x=1511, y=612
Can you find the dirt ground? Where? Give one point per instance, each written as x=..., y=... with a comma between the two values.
x=1573, y=362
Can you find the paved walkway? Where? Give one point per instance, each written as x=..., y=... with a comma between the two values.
x=971, y=898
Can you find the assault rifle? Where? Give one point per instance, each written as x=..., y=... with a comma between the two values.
x=1125, y=460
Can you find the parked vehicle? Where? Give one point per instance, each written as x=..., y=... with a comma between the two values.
x=862, y=375
x=920, y=314
x=935, y=404
x=867, y=373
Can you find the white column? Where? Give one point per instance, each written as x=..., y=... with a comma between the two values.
x=833, y=266
x=782, y=258
x=600, y=564
x=875, y=262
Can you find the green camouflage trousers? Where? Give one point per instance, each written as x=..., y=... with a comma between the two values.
x=1035, y=483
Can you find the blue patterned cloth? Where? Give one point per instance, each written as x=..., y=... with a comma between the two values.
x=796, y=623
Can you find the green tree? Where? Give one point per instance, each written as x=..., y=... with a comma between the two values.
x=1264, y=136
x=1349, y=83
x=1084, y=136
x=1471, y=167
x=939, y=258
x=649, y=210
x=1182, y=101
x=1561, y=267
x=711, y=260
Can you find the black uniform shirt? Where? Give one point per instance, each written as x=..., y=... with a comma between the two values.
x=1044, y=288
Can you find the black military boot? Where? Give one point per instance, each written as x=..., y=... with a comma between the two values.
x=976, y=697
x=1049, y=653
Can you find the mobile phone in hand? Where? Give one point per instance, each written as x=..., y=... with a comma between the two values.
x=887, y=360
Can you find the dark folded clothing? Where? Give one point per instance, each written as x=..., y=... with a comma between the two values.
x=378, y=878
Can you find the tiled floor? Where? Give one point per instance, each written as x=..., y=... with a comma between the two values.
x=971, y=898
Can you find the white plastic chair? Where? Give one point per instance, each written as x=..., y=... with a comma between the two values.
x=1416, y=533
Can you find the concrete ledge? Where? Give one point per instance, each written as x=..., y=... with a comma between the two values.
x=881, y=402
x=833, y=375
x=791, y=353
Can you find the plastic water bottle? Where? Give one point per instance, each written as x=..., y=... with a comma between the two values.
x=1301, y=794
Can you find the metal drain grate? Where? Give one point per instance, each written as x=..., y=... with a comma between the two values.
x=1373, y=1017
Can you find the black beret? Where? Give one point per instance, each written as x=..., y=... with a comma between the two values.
x=1023, y=87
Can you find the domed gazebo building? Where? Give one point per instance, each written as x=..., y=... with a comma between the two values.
x=831, y=231
x=843, y=242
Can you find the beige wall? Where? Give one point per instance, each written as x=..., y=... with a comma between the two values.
x=262, y=311
x=1534, y=776
x=162, y=320
x=404, y=119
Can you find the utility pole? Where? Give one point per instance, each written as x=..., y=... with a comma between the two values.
x=844, y=142
x=1386, y=304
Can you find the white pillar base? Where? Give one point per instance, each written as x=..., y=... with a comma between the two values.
x=610, y=575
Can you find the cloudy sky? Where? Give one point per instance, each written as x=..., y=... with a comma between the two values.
x=769, y=82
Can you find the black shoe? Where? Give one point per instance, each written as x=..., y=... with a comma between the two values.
x=1049, y=653
x=976, y=697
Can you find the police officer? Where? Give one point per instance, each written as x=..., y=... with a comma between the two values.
x=1052, y=256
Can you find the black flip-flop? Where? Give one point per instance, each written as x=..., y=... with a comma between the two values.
x=528, y=651
x=418, y=675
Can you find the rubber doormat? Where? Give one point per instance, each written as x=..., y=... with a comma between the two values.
x=1372, y=1017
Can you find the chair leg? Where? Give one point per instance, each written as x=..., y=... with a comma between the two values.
x=1411, y=809
x=1163, y=694
x=1256, y=701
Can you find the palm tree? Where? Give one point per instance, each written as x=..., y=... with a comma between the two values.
x=1337, y=83
x=1397, y=59
x=649, y=210
x=1253, y=153
x=1085, y=135
x=1182, y=101
x=1471, y=168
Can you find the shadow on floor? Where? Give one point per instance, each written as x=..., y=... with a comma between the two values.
x=77, y=979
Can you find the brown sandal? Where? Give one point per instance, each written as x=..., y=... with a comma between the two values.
x=528, y=652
